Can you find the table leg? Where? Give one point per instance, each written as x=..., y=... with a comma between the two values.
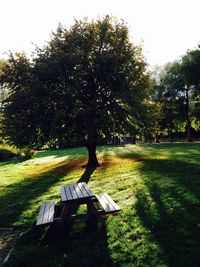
x=92, y=210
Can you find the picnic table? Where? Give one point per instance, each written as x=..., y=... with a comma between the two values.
x=72, y=196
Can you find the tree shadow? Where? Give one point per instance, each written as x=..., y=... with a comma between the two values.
x=168, y=206
x=87, y=174
x=174, y=229
x=12, y=161
x=85, y=245
x=79, y=244
x=19, y=195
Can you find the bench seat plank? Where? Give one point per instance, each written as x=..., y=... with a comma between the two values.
x=46, y=213
x=107, y=203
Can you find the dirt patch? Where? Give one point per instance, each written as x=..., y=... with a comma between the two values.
x=8, y=238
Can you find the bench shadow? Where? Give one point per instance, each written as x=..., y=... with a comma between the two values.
x=85, y=245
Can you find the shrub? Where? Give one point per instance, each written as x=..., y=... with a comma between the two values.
x=26, y=153
x=7, y=152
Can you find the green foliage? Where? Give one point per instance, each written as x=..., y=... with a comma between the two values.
x=26, y=153
x=177, y=95
x=87, y=83
x=191, y=68
x=177, y=90
x=191, y=71
x=9, y=152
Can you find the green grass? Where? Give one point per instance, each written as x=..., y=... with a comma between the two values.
x=156, y=186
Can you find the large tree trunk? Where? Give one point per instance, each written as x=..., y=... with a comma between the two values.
x=92, y=157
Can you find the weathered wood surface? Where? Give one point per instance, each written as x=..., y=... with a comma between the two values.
x=76, y=191
x=108, y=205
x=46, y=213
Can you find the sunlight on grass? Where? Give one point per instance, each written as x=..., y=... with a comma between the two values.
x=156, y=186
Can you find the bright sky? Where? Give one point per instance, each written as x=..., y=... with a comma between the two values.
x=167, y=28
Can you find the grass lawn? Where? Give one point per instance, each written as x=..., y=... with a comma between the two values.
x=156, y=186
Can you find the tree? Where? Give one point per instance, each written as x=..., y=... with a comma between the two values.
x=191, y=68
x=3, y=90
x=3, y=93
x=88, y=82
x=176, y=92
x=191, y=71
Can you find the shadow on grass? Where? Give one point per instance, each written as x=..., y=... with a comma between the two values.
x=19, y=195
x=12, y=162
x=169, y=207
x=81, y=244
x=85, y=245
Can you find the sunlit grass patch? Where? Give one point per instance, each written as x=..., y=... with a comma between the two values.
x=156, y=186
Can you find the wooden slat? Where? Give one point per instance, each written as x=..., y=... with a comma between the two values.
x=46, y=214
x=41, y=214
x=68, y=193
x=51, y=212
x=78, y=191
x=112, y=202
x=106, y=206
x=87, y=189
x=82, y=189
x=107, y=203
x=73, y=192
x=63, y=194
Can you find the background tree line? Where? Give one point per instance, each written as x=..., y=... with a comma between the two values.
x=177, y=96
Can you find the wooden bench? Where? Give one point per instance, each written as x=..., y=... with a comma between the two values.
x=108, y=205
x=46, y=213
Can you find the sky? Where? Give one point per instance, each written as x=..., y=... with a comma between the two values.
x=165, y=28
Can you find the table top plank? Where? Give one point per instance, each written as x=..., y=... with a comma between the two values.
x=72, y=191
x=75, y=192
x=63, y=193
x=78, y=191
x=82, y=189
x=67, y=194
x=86, y=189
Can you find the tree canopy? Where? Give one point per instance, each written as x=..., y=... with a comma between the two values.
x=179, y=89
x=88, y=82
